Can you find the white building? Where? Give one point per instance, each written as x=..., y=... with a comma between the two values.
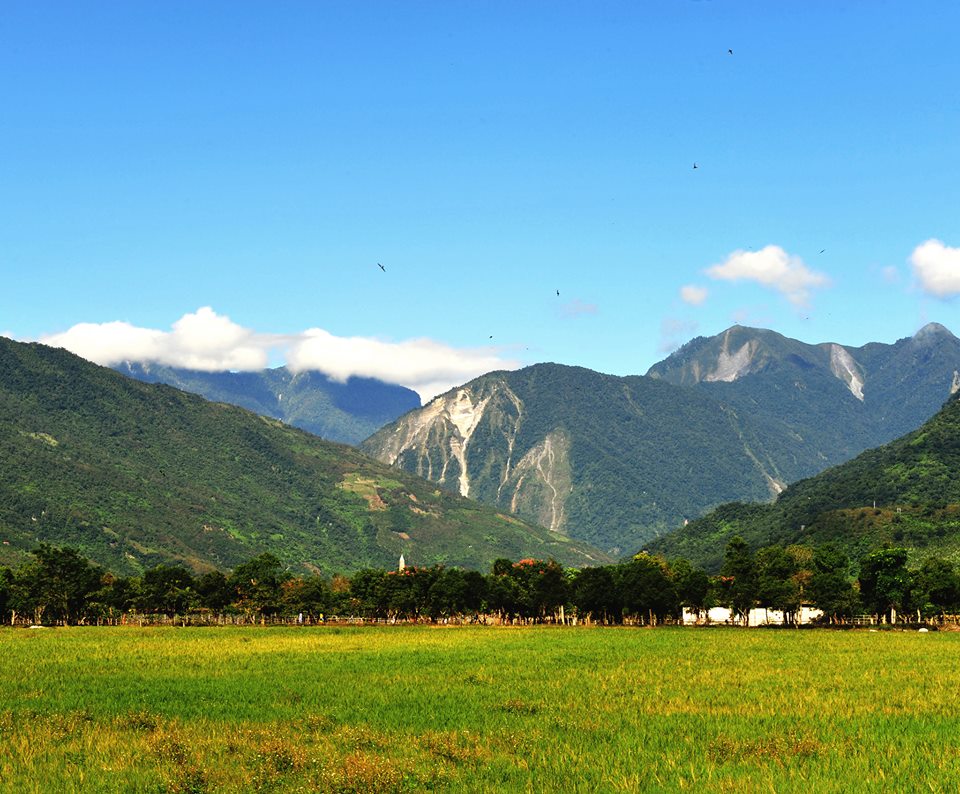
x=758, y=617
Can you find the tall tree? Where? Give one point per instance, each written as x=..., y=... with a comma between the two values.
x=739, y=578
x=936, y=587
x=646, y=589
x=693, y=586
x=885, y=582
x=594, y=593
x=58, y=584
x=169, y=589
x=257, y=584
x=831, y=586
x=777, y=586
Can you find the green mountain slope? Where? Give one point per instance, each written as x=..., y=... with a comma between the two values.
x=346, y=412
x=610, y=460
x=136, y=474
x=819, y=405
x=619, y=461
x=906, y=492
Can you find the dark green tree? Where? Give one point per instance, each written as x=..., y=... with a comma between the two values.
x=167, y=589
x=257, y=584
x=936, y=588
x=777, y=585
x=57, y=585
x=366, y=593
x=646, y=589
x=308, y=596
x=692, y=585
x=214, y=591
x=885, y=582
x=594, y=593
x=738, y=578
x=6, y=593
x=831, y=586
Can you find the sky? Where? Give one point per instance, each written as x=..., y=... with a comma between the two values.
x=217, y=185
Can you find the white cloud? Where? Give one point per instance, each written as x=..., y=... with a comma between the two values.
x=774, y=268
x=205, y=340
x=890, y=274
x=937, y=267
x=693, y=294
x=426, y=366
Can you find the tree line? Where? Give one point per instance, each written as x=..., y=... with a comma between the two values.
x=60, y=586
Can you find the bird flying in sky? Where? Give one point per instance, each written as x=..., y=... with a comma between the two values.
x=381, y=267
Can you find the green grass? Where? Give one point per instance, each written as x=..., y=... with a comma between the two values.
x=464, y=709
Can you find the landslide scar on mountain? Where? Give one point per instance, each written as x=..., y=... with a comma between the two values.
x=434, y=442
x=543, y=480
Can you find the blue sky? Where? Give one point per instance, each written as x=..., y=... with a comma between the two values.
x=213, y=184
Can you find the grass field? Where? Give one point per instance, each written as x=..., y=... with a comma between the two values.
x=478, y=709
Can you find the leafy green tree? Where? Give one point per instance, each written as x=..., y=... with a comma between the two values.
x=504, y=592
x=257, y=584
x=167, y=589
x=594, y=592
x=777, y=585
x=475, y=591
x=117, y=595
x=397, y=595
x=214, y=591
x=57, y=584
x=6, y=593
x=692, y=585
x=936, y=587
x=502, y=566
x=547, y=587
x=448, y=594
x=739, y=578
x=885, y=582
x=831, y=588
x=306, y=595
x=646, y=589
x=369, y=593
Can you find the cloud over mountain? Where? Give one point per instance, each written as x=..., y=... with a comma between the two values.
x=206, y=341
x=426, y=366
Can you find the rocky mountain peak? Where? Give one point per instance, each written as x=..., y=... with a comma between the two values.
x=932, y=330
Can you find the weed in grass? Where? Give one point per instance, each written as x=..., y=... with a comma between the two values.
x=139, y=721
x=778, y=749
x=363, y=773
x=518, y=706
x=458, y=747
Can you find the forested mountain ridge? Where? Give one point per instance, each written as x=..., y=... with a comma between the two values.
x=137, y=474
x=610, y=460
x=618, y=461
x=906, y=492
x=826, y=402
x=347, y=412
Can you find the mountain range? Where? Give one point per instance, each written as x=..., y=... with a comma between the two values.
x=618, y=461
x=337, y=411
x=135, y=474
